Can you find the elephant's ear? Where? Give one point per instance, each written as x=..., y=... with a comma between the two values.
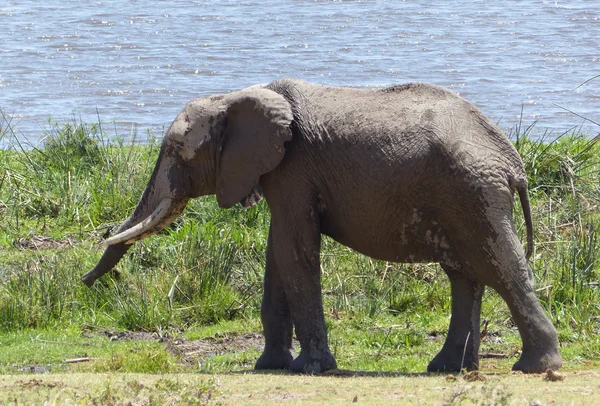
x=258, y=124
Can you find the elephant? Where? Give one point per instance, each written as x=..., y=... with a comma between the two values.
x=408, y=173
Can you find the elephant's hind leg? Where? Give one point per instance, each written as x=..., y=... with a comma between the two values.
x=540, y=341
x=276, y=318
x=462, y=342
x=501, y=264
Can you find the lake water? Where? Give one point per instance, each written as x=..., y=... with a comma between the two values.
x=136, y=63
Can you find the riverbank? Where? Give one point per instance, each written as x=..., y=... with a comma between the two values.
x=188, y=299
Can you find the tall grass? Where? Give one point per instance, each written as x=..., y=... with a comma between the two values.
x=208, y=265
x=75, y=177
x=565, y=190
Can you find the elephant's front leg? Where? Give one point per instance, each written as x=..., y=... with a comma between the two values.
x=462, y=342
x=276, y=318
x=296, y=241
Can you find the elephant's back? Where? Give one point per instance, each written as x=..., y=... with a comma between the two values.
x=418, y=110
x=413, y=129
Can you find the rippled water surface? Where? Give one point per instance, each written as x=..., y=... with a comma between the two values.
x=137, y=63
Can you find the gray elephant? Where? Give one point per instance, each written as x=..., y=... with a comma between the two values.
x=410, y=173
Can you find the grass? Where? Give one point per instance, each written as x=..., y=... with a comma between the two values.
x=201, y=279
x=275, y=388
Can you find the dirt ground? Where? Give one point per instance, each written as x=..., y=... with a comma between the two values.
x=190, y=351
x=40, y=242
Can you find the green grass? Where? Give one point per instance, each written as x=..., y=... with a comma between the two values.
x=201, y=278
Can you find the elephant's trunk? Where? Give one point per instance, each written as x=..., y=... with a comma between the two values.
x=109, y=259
x=156, y=209
x=134, y=229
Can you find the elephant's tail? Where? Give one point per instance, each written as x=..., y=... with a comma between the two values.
x=524, y=198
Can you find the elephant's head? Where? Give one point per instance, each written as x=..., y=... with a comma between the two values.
x=217, y=145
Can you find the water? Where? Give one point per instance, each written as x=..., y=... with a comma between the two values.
x=137, y=63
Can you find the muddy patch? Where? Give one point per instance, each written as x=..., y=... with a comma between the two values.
x=133, y=335
x=191, y=351
x=35, y=383
x=36, y=369
x=40, y=242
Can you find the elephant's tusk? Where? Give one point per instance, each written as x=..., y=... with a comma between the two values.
x=129, y=235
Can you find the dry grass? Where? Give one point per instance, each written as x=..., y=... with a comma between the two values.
x=578, y=388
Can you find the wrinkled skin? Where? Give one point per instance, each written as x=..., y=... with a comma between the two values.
x=411, y=173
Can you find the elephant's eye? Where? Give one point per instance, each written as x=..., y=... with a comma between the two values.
x=174, y=146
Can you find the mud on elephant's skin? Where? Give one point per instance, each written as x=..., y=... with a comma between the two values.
x=409, y=173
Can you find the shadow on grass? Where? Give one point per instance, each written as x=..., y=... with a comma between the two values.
x=338, y=373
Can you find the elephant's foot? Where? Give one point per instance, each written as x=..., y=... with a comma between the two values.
x=447, y=361
x=307, y=365
x=275, y=358
x=532, y=362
